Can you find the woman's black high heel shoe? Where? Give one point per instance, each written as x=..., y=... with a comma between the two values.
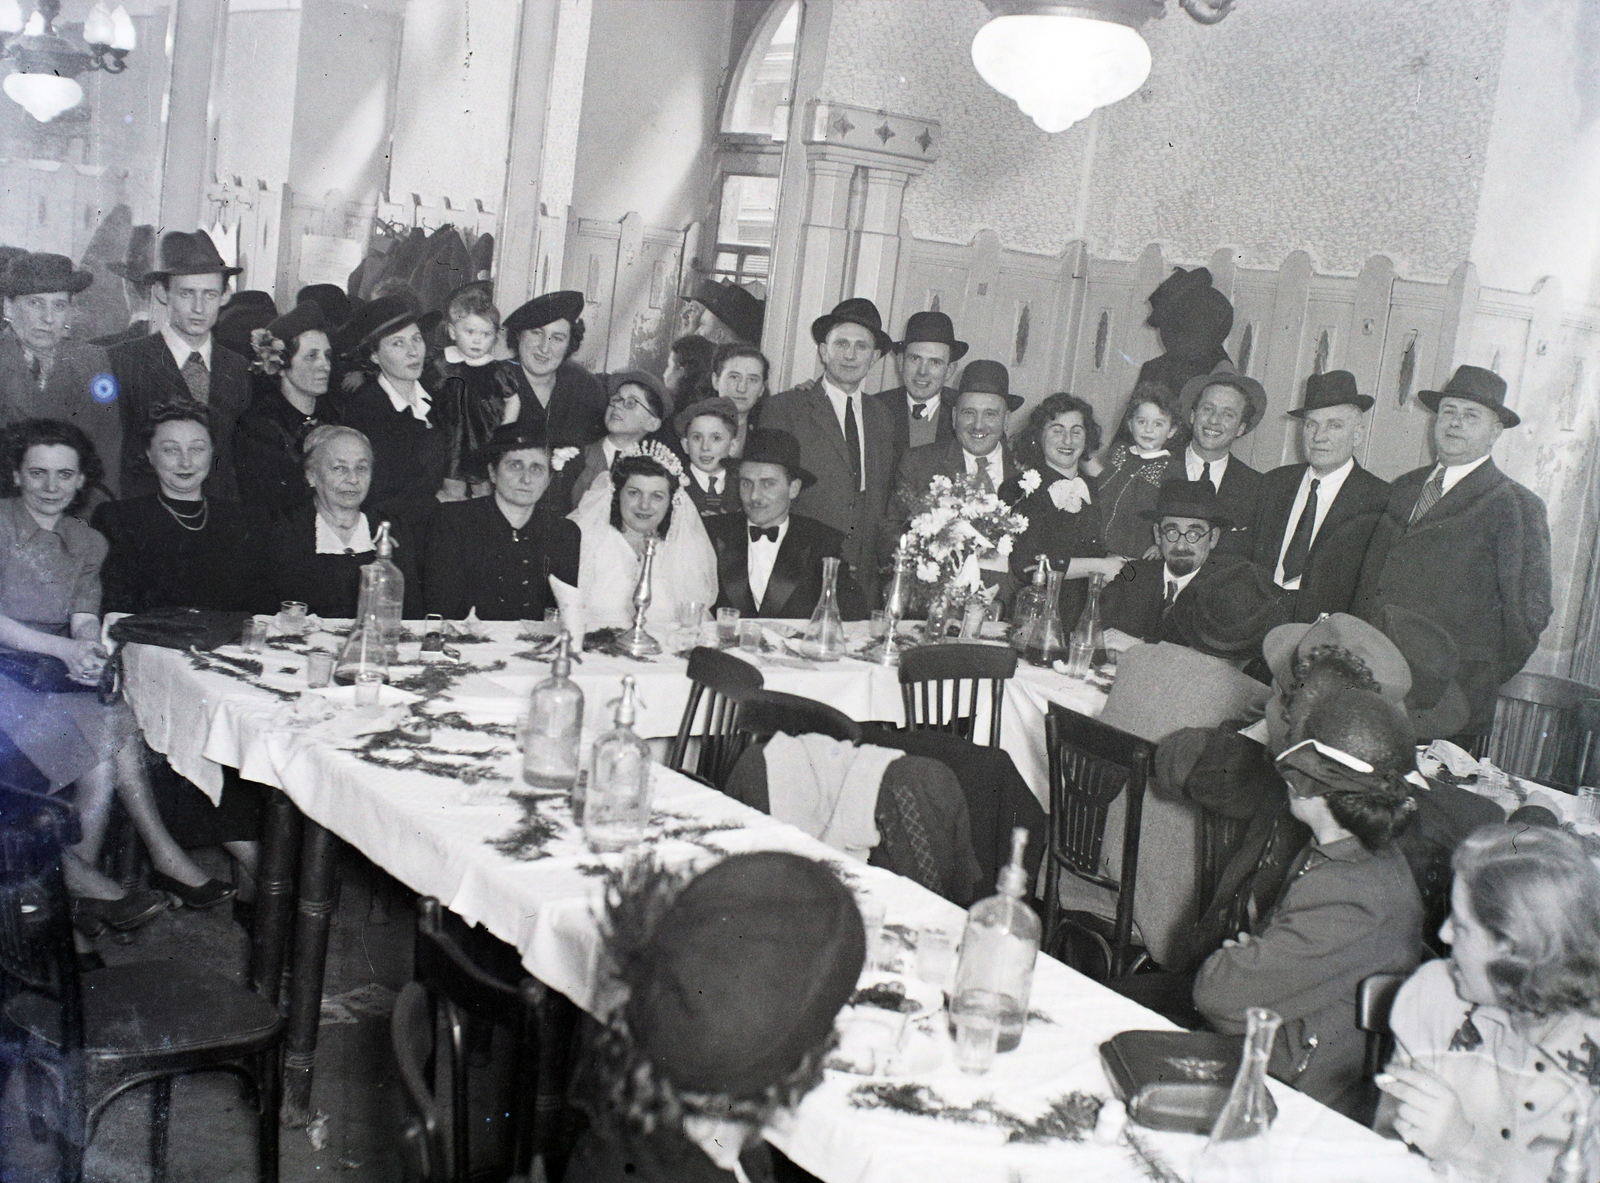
x=208, y=895
x=92, y=917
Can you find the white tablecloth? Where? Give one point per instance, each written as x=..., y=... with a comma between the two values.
x=517, y=866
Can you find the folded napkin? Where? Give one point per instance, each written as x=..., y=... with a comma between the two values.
x=828, y=788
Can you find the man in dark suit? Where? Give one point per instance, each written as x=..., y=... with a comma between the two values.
x=44, y=374
x=1465, y=545
x=183, y=363
x=1315, y=519
x=920, y=406
x=1138, y=604
x=769, y=561
x=845, y=439
x=1222, y=407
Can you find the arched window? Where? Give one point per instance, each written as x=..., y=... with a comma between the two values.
x=763, y=84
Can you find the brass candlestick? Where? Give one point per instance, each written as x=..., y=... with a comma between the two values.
x=887, y=650
x=636, y=641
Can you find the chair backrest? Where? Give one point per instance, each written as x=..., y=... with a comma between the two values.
x=450, y=976
x=764, y=713
x=1539, y=730
x=36, y=946
x=717, y=681
x=1374, y=1001
x=411, y=1026
x=940, y=686
x=1220, y=836
x=1091, y=765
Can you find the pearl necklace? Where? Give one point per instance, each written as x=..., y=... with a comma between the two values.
x=184, y=519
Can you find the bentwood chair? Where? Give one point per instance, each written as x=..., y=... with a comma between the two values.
x=764, y=713
x=81, y=1044
x=1544, y=729
x=1374, y=1000
x=940, y=686
x=717, y=681
x=456, y=988
x=1091, y=765
x=1220, y=837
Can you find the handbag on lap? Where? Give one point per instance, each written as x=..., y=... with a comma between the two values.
x=45, y=674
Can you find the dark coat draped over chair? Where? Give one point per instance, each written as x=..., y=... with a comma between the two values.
x=69, y=394
x=1334, y=562
x=148, y=376
x=1477, y=563
x=795, y=584
x=475, y=559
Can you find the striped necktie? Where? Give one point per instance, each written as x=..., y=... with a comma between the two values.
x=1431, y=492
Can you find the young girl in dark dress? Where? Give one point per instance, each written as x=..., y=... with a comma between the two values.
x=1145, y=454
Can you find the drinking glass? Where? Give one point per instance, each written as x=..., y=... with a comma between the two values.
x=936, y=956
x=977, y=1018
x=872, y=914
x=254, y=639
x=432, y=633
x=292, y=618
x=727, y=626
x=1589, y=803
x=552, y=616
x=691, y=613
x=369, y=686
x=1080, y=659
x=879, y=628
x=319, y=668
x=749, y=634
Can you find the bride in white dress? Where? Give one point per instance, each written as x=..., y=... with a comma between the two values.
x=641, y=498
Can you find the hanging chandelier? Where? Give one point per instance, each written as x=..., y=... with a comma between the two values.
x=1059, y=61
x=46, y=65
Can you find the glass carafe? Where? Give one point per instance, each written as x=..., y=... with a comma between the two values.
x=365, y=656
x=825, y=634
x=1000, y=946
x=1030, y=601
x=1088, y=644
x=616, y=807
x=1045, y=640
x=1235, y=1153
x=555, y=718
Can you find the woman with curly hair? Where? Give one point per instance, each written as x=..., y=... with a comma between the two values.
x=642, y=499
x=723, y=994
x=1498, y=1046
x=1063, y=510
x=50, y=605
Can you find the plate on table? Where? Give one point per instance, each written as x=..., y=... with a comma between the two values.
x=889, y=1028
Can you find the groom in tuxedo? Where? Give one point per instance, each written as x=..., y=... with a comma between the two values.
x=769, y=561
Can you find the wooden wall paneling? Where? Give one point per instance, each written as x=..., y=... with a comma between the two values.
x=1224, y=262
x=1399, y=427
x=1279, y=343
x=91, y=201
x=1027, y=317
x=932, y=276
x=1103, y=375
x=1369, y=320
x=1253, y=293
x=589, y=265
x=983, y=327
x=1330, y=310
x=1072, y=284
x=1460, y=315
x=647, y=302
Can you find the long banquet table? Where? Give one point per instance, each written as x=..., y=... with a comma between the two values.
x=446, y=816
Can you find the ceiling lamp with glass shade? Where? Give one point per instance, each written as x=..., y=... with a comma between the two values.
x=1059, y=61
x=45, y=65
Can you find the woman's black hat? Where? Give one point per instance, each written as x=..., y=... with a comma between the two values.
x=33, y=274
x=508, y=437
x=542, y=310
x=379, y=318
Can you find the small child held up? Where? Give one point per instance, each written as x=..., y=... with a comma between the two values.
x=706, y=429
x=1146, y=452
x=473, y=400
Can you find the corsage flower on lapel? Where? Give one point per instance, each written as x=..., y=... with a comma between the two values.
x=560, y=458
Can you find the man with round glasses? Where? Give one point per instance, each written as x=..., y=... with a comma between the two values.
x=1188, y=524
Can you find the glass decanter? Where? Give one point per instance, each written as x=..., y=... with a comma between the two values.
x=365, y=656
x=1088, y=643
x=1045, y=642
x=555, y=718
x=824, y=636
x=1000, y=946
x=1235, y=1152
x=616, y=807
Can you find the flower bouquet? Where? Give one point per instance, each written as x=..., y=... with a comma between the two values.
x=957, y=523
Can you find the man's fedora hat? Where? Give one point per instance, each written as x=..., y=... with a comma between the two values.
x=1436, y=704
x=1230, y=613
x=140, y=257
x=858, y=310
x=735, y=307
x=543, y=310
x=1476, y=385
x=1254, y=393
x=1188, y=499
x=188, y=254
x=933, y=327
x=988, y=377
x=770, y=445
x=31, y=275
x=378, y=318
x=508, y=437
x=1342, y=631
x=724, y=408
x=1336, y=388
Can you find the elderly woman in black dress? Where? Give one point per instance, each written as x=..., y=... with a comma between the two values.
x=318, y=553
x=293, y=363
x=387, y=402
x=1063, y=516
x=50, y=604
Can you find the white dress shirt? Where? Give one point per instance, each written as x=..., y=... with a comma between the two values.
x=181, y=349
x=1454, y=473
x=837, y=397
x=417, y=404
x=1326, y=492
x=1182, y=581
x=329, y=542
x=992, y=461
x=709, y=482
x=1197, y=469
x=763, y=554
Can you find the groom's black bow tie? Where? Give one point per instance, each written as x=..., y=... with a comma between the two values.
x=757, y=533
